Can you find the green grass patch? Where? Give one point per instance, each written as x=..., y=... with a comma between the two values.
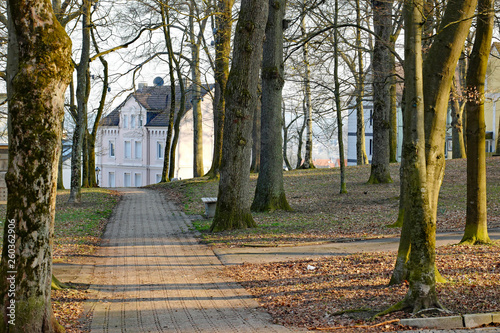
x=320, y=213
x=79, y=227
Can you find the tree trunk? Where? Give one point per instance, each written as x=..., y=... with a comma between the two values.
x=458, y=144
x=285, y=139
x=223, y=23
x=168, y=141
x=418, y=212
x=457, y=108
x=476, y=227
x=382, y=22
x=38, y=48
x=427, y=120
x=60, y=179
x=439, y=69
x=196, y=98
x=270, y=191
x=361, y=157
x=308, y=160
x=177, y=124
x=256, y=134
x=81, y=96
x=393, y=114
x=343, y=187
x=300, y=134
x=233, y=209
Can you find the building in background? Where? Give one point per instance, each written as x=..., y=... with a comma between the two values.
x=131, y=142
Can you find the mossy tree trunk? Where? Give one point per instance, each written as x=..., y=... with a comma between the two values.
x=427, y=93
x=382, y=21
x=82, y=75
x=37, y=80
x=233, y=205
x=223, y=26
x=270, y=191
x=476, y=227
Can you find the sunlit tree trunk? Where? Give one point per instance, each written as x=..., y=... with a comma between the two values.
x=457, y=107
x=232, y=210
x=196, y=97
x=38, y=48
x=223, y=26
x=270, y=191
x=427, y=94
x=476, y=227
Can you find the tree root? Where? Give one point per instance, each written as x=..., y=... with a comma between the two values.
x=58, y=285
x=333, y=328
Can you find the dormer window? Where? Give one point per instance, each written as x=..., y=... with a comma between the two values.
x=132, y=121
x=125, y=121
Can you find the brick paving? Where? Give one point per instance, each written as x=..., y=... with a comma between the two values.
x=151, y=275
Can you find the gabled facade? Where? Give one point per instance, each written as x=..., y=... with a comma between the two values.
x=131, y=142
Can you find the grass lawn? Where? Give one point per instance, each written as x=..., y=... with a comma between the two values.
x=322, y=214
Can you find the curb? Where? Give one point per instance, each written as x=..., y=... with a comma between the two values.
x=452, y=322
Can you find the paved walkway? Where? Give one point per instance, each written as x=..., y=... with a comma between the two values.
x=152, y=276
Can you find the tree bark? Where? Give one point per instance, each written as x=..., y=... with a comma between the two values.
x=308, y=160
x=343, y=187
x=168, y=140
x=361, y=157
x=457, y=107
x=382, y=21
x=270, y=191
x=427, y=95
x=256, y=134
x=232, y=210
x=81, y=96
x=476, y=227
x=37, y=79
x=223, y=23
x=196, y=98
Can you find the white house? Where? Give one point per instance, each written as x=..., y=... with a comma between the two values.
x=131, y=142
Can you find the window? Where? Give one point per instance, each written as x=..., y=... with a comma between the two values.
x=371, y=118
x=138, y=180
x=125, y=121
x=126, y=179
x=138, y=149
x=159, y=150
x=140, y=121
x=128, y=149
x=132, y=121
x=111, y=149
x=111, y=179
x=371, y=146
x=158, y=178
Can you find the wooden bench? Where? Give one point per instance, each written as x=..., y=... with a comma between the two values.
x=210, y=204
